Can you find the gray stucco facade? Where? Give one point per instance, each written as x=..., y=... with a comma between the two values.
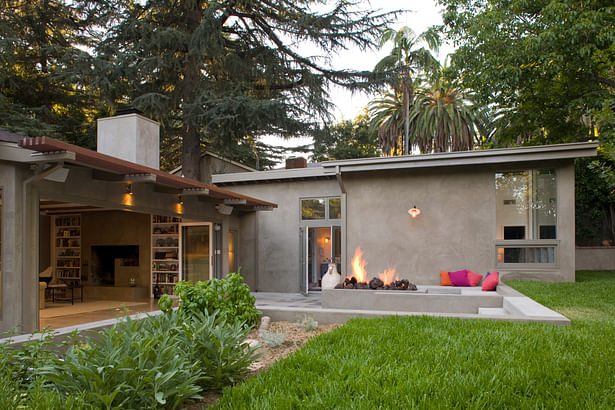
x=456, y=228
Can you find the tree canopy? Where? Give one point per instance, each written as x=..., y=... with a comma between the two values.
x=346, y=140
x=545, y=66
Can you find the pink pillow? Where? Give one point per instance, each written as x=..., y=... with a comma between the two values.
x=459, y=278
x=474, y=278
x=445, y=280
x=491, y=282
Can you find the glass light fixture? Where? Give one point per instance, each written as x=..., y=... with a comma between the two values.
x=414, y=211
x=128, y=189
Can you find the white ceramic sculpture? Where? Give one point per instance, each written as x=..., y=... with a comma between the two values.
x=331, y=278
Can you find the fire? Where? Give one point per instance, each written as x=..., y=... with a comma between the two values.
x=358, y=266
x=388, y=276
x=360, y=274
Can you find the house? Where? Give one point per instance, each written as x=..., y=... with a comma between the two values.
x=510, y=210
x=108, y=223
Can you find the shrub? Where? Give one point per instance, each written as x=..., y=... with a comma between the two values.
x=271, y=338
x=229, y=299
x=308, y=323
x=219, y=349
x=134, y=364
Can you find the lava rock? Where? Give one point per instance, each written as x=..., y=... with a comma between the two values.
x=376, y=283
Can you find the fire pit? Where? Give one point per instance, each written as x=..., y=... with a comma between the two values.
x=386, y=292
x=387, y=280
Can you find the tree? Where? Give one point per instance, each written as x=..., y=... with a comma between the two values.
x=404, y=62
x=214, y=72
x=546, y=66
x=387, y=118
x=442, y=117
x=39, y=43
x=346, y=140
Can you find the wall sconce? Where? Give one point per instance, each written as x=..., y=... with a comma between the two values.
x=327, y=239
x=128, y=189
x=414, y=211
x=180, y=200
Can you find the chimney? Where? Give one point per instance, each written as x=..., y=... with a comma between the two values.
x=296, y=162
x=130, y=136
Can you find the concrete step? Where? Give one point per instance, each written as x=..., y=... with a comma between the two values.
x=491, y=311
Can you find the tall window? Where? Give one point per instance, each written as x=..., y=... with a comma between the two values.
x=232, y=251
x=526, y=210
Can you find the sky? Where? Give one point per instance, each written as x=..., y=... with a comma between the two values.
x=422, y=14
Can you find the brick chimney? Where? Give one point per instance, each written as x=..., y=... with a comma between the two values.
x=130, y=136
x=296, y=162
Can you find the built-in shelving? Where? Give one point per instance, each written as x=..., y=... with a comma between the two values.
x=165, y=253
x=67, y=249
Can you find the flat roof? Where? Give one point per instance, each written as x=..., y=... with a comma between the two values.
x=102, y=162
x=442, y=159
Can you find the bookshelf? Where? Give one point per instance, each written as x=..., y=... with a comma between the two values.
x=165, y=253
x=67, y=249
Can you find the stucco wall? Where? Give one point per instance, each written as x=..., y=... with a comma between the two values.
x=455, y=229
x=274, y=265
x=595, y=258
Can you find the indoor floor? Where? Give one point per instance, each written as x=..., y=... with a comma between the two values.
x=61, y=314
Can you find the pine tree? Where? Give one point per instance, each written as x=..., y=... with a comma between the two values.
x=214, y=72
x=40, y=43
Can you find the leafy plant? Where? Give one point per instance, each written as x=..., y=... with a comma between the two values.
x=308, y=323
x=272, y=338
x=134, y=364
x=165, y=303
x=229, y=299
x=218, y=348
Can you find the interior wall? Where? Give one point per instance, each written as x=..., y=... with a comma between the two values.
x=115, y=228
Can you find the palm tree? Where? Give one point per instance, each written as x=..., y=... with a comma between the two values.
x=403, y=63
x=386, y=117
x=443, y=118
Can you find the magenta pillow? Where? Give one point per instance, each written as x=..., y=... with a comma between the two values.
x=491, y=281
x=474, y=278
x=459, y=278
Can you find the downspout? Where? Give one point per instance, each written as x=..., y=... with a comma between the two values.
x=338, y=176
x=24, y=226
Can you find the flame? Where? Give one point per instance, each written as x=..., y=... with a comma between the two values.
x=358, y=266
x=388, y=276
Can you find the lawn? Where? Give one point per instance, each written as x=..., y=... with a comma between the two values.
x=424, y=362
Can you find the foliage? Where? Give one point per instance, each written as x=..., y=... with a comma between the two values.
x=218, y=348
x=134, y=364
x=272, y=338
x=443, y=118
x=545, y=67
x=403, y=64
x=216, y=73
x=425, y=362
x=308, y=323
x=41, y=43
x=165, y=303
x=229, y=299
x=346, y=140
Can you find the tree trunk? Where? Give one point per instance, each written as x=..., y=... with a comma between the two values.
x=191, y=139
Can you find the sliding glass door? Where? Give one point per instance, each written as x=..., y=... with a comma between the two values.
x=196, y=252
x=321, y=245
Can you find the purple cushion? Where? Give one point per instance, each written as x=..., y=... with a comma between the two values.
x=459, y=278
x=487, y=275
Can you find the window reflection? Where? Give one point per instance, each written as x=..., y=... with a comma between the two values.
x=312, y=209
x=335, y=208
x=526, y=205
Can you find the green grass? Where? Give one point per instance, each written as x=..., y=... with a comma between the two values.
x=424, y=362
x=591, y=297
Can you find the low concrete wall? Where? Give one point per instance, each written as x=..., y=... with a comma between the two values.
x=407, y=301
x=595, y=258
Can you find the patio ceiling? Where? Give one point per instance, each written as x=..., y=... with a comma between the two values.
x=113, y=169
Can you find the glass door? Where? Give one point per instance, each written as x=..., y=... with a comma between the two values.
x=195, y=249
